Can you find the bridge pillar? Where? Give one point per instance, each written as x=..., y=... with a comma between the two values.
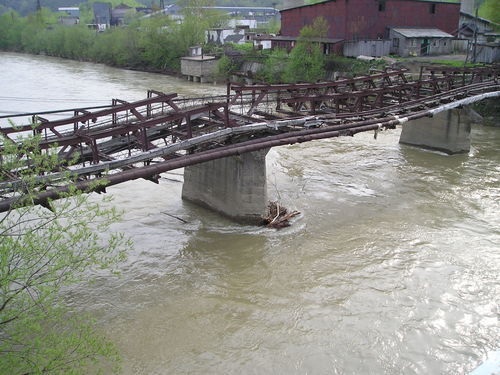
x=447, y=131
x=234, y=186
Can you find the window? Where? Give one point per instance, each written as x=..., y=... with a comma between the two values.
x=381, y=6
x=432, y=8
x=395, y=42
x=413, y=42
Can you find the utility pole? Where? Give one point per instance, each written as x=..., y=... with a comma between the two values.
x=474, y=48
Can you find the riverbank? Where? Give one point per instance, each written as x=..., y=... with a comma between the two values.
x=153, y=44
x=253, y=72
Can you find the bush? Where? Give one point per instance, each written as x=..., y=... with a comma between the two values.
x=274, y=67
x=225, y=66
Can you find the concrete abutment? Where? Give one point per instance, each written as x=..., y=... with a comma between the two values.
x=234, y=186
x=447, y=131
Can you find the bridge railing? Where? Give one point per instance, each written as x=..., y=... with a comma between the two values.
x=128, y=126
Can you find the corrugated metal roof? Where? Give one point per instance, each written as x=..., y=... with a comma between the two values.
x=421, y=32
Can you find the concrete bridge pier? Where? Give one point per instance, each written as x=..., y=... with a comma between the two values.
x=234, y=186
x=447, y=131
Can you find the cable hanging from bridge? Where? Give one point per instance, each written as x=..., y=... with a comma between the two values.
x=19, y=114
x=28, y=99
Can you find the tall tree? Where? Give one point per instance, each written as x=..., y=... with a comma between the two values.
x=42, y=251
x=306, y=62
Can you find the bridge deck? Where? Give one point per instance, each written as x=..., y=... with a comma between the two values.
x=163, y=132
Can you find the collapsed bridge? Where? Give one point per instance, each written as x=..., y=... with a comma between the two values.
x=130, y=140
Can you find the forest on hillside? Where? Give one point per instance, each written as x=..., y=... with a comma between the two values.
x=24, y=7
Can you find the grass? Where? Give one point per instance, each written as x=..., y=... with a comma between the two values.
x=351, y=65
x=453, y=63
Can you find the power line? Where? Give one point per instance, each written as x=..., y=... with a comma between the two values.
x=17, y=114
x=72, y=100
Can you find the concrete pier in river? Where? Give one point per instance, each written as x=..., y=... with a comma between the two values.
x=447, y=131
x=234, y=186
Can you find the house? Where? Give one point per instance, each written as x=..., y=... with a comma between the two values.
x=119, y=13
x=488, y=53
x=70, y=11
x=221, y=36
x=485, y=29
x=408, y=41
x=259, y=15
x=102, y=15
x=367, y=47
x=198, y=67
x=252, y=17
x=360, y=20
x=261, y=41
x=69, y=15
x=248, y=23
x=327, y=45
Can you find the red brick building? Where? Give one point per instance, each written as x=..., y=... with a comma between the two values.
x=371, y=19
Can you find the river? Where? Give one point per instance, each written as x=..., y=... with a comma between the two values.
x=391, y=268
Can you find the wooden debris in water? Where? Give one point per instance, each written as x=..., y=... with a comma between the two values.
x=277, y=216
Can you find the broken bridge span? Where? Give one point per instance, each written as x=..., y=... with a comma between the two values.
x=130, y=140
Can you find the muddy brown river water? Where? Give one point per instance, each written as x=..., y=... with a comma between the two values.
x=392, y=267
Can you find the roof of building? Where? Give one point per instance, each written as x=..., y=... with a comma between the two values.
x=294, y=38
x=101, y=8
x=471, y=16
x=199, y=58
x=263, y=36
x=328, y=1
x=243, y=9
x=412, y=32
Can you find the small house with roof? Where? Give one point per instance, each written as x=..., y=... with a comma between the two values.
x=411, y=41
x=119, y=14
x=221, y=36
x=69, y=15
x=198, y=67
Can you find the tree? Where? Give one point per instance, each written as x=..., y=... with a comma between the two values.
x=225, y=67
x=11, y=27
x=42, y=251
x=274, y=66
x=198, y=18
x=155, y=43
x=306, y=61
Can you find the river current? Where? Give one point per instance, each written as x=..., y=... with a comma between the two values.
x=391, y=268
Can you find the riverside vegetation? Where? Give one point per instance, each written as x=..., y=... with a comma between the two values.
x=43, y=251
x=151, y=44
x=305, y=62
x=157, y=44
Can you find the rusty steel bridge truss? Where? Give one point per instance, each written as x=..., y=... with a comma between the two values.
x=130, y=140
